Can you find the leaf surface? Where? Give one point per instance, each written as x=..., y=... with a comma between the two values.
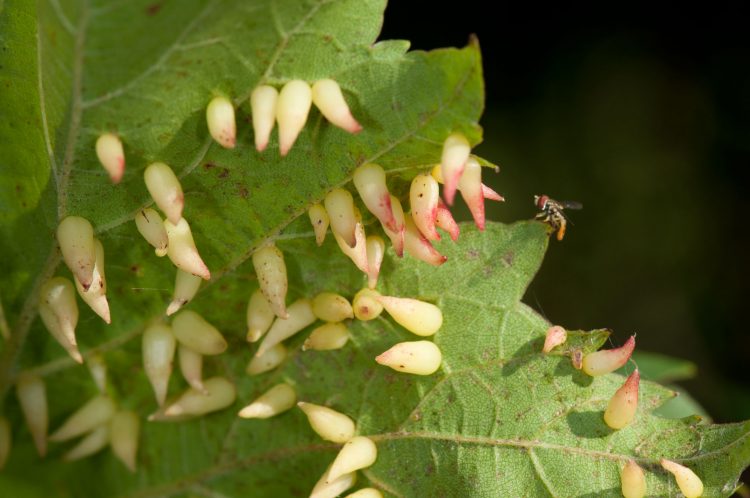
x=499, y=418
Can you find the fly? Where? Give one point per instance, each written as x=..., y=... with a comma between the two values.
x=552, y=212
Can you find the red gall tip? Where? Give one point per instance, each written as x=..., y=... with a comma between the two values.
x=390, y=220
x=634, y=379
x=449, y=190
x=117, y=175
x=490, y=194
x=203, y=272
x=383, y=357
x=398, y=246
x=608, y=360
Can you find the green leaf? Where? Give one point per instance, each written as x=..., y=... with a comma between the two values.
x=153, y=92
x=662, y=368
x=498, y=419
x=681, y=406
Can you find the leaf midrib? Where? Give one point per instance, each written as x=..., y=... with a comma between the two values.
x=224, y=468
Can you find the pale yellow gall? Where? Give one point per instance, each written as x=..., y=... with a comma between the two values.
x=300, y=315
x=687, y=480
x=292, y=108
x=331, y=307
x=327, y=337
x=276, y=400
x=32, y=396
x=632, y=481
x=158, y=348
x=220, y=120
x=623, y=405
x=151, y=227
x=320, y=221
x=270, y=269
x=165, y=190
x=328, y=98
x=259, y=316
x=92, y=414
x=182, y=251
x=75, y=235
x=358, y=453
x=111, y=155
x=263, y=105
x=328, y=423
x=417, y=357
x=192, y=330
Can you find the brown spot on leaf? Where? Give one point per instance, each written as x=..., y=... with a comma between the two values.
x=154, y=8
x=209, y=166
x=224, y=173
x=243, y=192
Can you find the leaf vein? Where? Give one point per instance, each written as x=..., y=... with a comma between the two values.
x=540, y=472
x=176, y=44
x=43, y=108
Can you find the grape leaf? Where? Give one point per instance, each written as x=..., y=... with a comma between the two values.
x=153, y=92
x=499, y=419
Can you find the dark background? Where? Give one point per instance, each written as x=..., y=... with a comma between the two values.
x=643, y=117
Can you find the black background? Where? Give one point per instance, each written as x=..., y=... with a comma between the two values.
x=642, y=115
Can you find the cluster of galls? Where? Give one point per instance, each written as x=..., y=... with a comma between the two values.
x=191, y=337
x=268, y=318
x=98, y=422
x=622, y=409
x=288, y=108
x=412, y=231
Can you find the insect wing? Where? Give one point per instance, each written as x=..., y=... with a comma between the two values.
x=571, y=205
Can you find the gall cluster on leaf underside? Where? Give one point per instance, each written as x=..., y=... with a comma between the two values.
x=270, y=321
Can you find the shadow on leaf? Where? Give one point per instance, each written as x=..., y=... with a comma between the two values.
x=588, y=424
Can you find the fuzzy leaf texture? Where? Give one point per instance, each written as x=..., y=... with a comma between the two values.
x=498, y=419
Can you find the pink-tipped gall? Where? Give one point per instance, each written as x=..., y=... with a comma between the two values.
x=369, y=179
x=609, y=360
x=456, y=150
x=327, y=97
x=424, y=195
x=555, y=336
x=419, y=247
x=110, y=153
x=624, y=403
x=220, y=120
